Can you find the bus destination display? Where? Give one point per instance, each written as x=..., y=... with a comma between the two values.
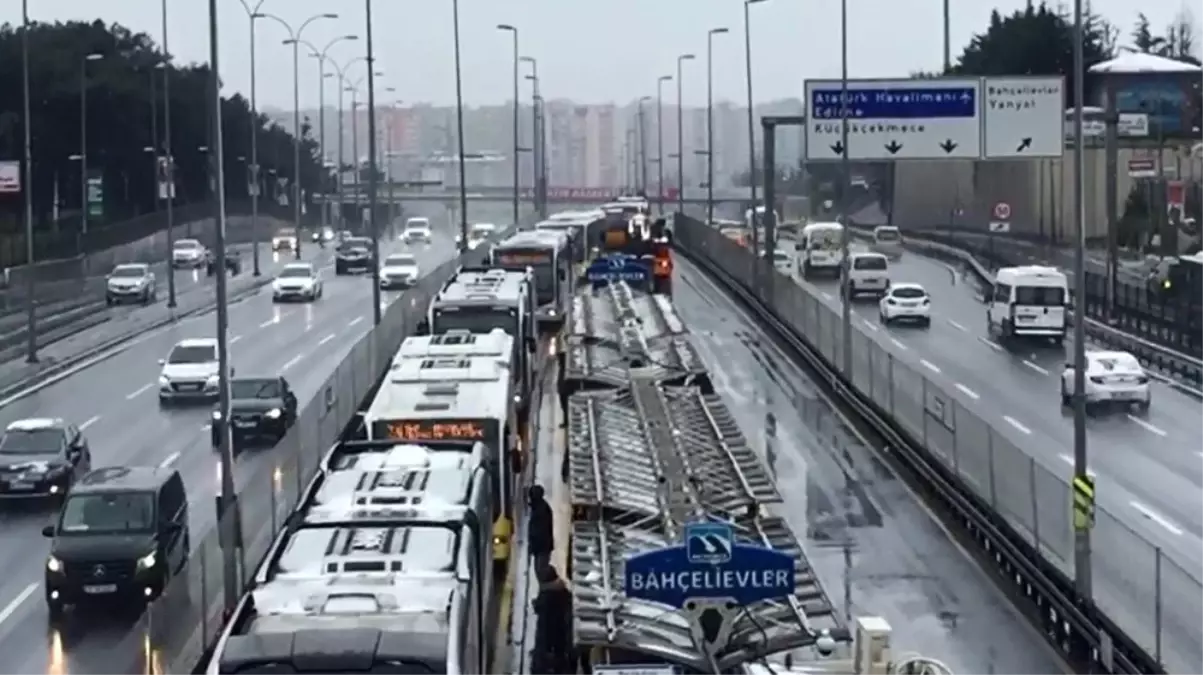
x=524, y=258
x=432, y=430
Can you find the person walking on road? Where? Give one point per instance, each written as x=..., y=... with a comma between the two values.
x=540, y=527
x=553, y=640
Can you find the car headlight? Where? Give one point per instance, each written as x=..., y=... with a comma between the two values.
x=216, y=415
x=212, y=381
x=54, y=564
x=163, y=381
x=273, y=414
x=148, y=561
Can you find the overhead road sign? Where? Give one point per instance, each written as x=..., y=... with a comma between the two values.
x=1145, y=167
x=1022, y=117
x=895, y=119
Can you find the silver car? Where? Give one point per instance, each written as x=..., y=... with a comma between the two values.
x=132, y=282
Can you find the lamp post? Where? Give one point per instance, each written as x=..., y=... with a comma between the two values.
x=373, y=183
x=459, y=126
x=388, y=154
x=294, y=40
x=322, y=56
x=83, y=140
x=253, y=183
x=751, y=110
x=517, y=141
x=710, y=121
x=681, y=132
x=31, y=319
x=538, y=160
x=342, y=86
x=846, y=179
x=642, y=133
x=660, y=140
x=168, y=178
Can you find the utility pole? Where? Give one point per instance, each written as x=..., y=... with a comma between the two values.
x=517, y=109
x=373, y=167
x=681, y=132
x=710, y=122
x=660, y=140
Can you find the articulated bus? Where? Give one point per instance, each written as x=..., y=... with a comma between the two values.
x=547, y=255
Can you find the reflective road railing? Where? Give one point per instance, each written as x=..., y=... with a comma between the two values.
x=1149, y=595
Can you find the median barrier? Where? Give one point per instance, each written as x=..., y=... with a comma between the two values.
x=1146, y=606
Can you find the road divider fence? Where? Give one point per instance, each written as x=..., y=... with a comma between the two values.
x=1146, y=606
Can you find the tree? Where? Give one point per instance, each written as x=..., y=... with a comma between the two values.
x=1035, y=40
x=124, y=117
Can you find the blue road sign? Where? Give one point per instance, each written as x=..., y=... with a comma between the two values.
x=617, y=268
x=744, y=573
x=887, y=103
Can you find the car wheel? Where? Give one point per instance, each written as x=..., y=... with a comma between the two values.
x=1066, y=399
x=164, y=402
x=108, y=301
x=925, y=322
x=55, y=610
x=1142, y=407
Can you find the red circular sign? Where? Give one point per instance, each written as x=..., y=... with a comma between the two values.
x=1002, y=210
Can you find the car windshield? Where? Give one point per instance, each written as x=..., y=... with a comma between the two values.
x=400, y=261
x=31, y=441
x=130, y=272
x=887, y=235
x=908, y=293
x=192, y=354
x=246, y=389
x=417, y=225
x=481, y=231
x=869, y=262
x=286, y=233
x=1040, y=296
x=108, y=512
x=187, y=245
x=296, y=273
x=357, y=242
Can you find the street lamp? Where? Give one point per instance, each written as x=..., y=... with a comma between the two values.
x=253, y=186
x=83, y=139
x=342, y=162
x=31, y=319
x=372, y=166
x=388, y=153
x=681, y=132
x=642, y=156
x=353, y=89
x=710, y=121
x=459, y=125
x=660, y=140
x=751, y=112
x=517, y=141
x=538, y=161
x=294, y=39
x=322, y=57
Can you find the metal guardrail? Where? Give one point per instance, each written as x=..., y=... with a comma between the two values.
x=1144, y=616
x=1177, y=367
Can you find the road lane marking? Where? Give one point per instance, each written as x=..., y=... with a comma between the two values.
x=169, y=460
x=957, y=326
x=1147, y=426
x=267, y=323
x=12, y=606
x=234, y=339
x=90, y=421
x=207, y=426
x=1015, y=423
x=292, y=362
x=1037, y=368
x=991, y=344
x=929, y=365
x=898, y=344
x=968, y=392
x=355, y=321
x=325, y=339
x=139, y=391
x=1070, y=461
x=1157, y=518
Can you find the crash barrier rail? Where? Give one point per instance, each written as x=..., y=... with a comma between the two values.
x=1144, y=616
x=54, y=323
x=1131, y=334
x=183, y=623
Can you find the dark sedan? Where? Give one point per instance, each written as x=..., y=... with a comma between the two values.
x=40, y=458
x=233, y=262
x=262, y=409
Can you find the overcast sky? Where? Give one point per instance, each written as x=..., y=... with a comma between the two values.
x=588, y=51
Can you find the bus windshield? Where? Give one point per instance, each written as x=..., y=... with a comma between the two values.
x=540, y=260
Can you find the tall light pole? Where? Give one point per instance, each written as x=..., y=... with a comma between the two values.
x=534, y=121
x=388, y=154
x=253, y=183
x=168, y=161
x=1082, y=552
x=322, y=56
x=83, y=139
x=710, y=121
x=517, y=108
x=681, y=132
x=751, y=110
x=373, y=167
x=31, y=319
x=642, y=144
x=660, y=140
x=342, y=86
x=846, y=180
x=294, y=40
x=459, y=126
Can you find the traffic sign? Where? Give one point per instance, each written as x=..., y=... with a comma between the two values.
x=1144, y=167
x=617, y=268
x=1002, y=211
x=1000, y=226
x=895, y=119
x=1023, y=117
x=711, y=564
x=10, y=177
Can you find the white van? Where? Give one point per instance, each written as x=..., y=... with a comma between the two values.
x=819, y=249
x=1028, y=301
x=887, y=240
x=868, y=273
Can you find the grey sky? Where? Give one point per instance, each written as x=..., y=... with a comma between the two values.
x=588, y=51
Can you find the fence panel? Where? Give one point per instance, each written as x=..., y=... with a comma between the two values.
x=939, y=423
x=972, y=441
x=1054, y=509
x=1013, y=474
x=883, y=386
x=908, y=397
x=1179, y=646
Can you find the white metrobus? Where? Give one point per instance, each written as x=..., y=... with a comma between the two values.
x=1028, y=301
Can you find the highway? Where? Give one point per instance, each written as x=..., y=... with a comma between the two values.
x=114, y=401
x=876, y=548
x=1149, y=484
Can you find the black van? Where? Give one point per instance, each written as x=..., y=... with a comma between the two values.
x=121, y=535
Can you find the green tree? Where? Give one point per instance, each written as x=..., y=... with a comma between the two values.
x=1035, y=40
x=125, y=113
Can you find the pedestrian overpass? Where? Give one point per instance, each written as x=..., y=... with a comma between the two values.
x=403, y=192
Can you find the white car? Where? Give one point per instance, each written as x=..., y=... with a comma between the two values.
x=478, y=233
x=784, y=262
x=188, y=253
x=285, y=240
x=297, y=281
x=132, y=282
x=417, y=230
x=905, y=302
x=190, y=372
x=867, y=273
x=1111, y=377
x=399, y=270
